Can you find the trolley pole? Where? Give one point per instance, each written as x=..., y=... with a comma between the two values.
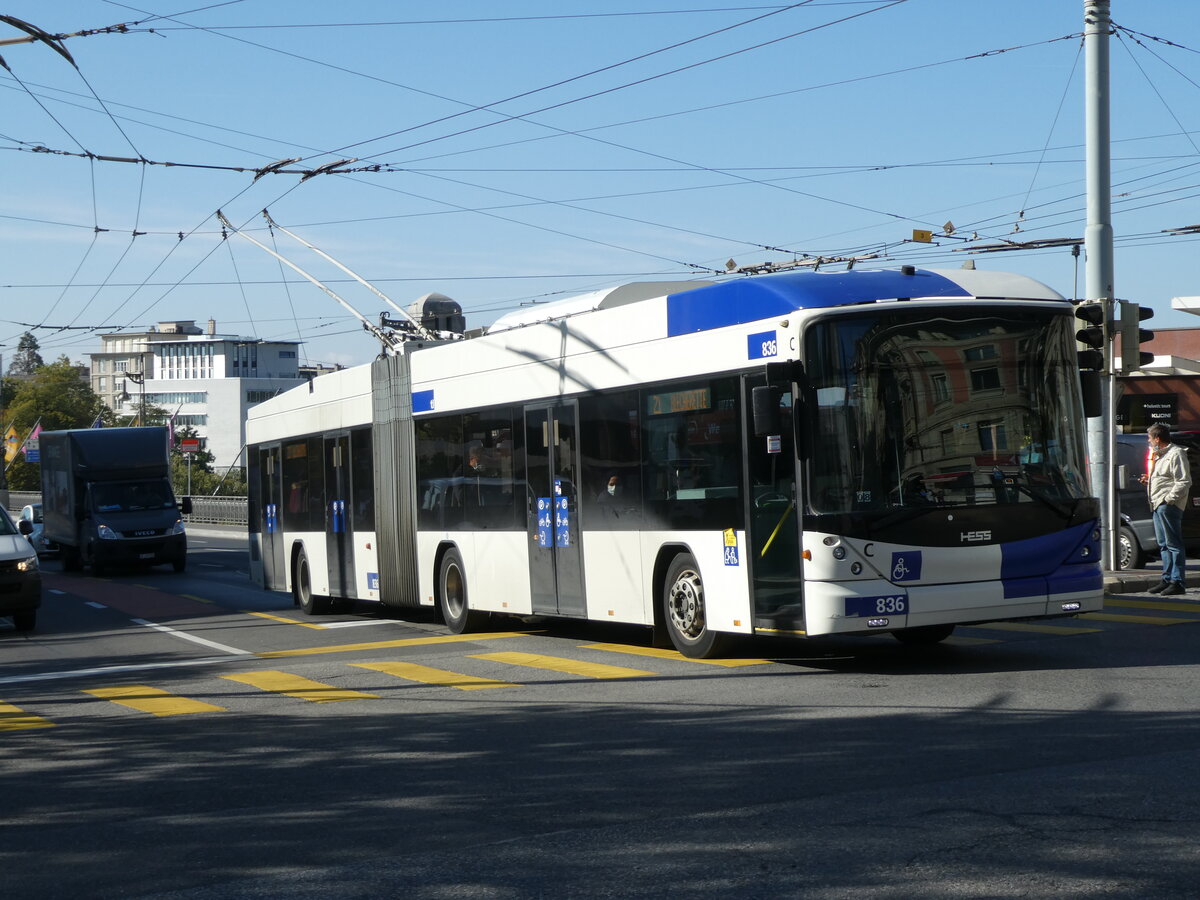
x=1098, y=243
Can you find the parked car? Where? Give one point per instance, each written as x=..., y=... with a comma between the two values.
x=20, y=578
x=1135, y=539
x=43, y=545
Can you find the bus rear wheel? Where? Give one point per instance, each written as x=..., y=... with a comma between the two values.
x=310, y=604
x=684, y=611
x=923, y=634
x=452, y=595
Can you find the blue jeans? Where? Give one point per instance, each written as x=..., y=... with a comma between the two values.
x=1168, y=531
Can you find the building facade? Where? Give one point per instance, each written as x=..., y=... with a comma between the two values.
x=202, y=379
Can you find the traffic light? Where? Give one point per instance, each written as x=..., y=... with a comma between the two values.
x=1092, y=336
x=1132, y=337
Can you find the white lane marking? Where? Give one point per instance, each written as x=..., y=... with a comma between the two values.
x=166, y=629
x=211, y=566
x=358, y=623
x=94, y=605
x=113, y=670
x=55, y=591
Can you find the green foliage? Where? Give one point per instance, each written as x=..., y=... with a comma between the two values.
x=59, y=398
x=204, y=478
x=27, y=360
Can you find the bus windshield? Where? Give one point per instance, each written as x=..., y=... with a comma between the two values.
x=972, y=406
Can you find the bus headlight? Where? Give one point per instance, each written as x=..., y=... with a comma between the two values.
x=839, y=552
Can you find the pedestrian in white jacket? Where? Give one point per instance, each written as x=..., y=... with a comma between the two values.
x=1168, y=482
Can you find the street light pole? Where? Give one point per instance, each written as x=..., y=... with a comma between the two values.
x=139, y=378
x=1098, y=244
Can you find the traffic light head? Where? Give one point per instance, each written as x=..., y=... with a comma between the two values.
x=1092, y=337
x=1132, y=336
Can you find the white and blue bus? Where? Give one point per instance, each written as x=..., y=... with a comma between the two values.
x=807, y=453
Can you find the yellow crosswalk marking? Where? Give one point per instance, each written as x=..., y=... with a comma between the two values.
x=13, y=718
x=1164, y=605
x=661, y=653
x=1135, y=620
x=1033, y=628
x=387, y=645
x=152, y=700
x=284, y=619
x=297, y=686
x=430, y=675
x=560, y=664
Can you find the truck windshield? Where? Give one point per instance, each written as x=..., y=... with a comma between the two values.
x=975, y=405
x=130, y=496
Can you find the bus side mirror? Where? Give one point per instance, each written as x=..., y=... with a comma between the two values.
x=185, y=506
x=1090, y=383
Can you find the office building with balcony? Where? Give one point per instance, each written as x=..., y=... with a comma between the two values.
x=202, y=379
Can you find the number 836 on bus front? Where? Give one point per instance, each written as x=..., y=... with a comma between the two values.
x=891, y=604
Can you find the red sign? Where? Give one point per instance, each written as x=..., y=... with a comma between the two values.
x=189, y=445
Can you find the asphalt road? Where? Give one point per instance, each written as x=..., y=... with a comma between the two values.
x=552, y=759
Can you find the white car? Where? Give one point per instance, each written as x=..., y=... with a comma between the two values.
x=33, y=515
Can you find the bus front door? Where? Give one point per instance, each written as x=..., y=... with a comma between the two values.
x=555, y=560
x=270, y=473
x=338, y=547
x=776, y=578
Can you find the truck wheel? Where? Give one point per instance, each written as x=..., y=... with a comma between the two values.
x=71, y=561
x=684, y=611
x=302, y=594
x=179, y=565
x=24, y=620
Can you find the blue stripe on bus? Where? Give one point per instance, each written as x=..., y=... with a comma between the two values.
x=1075, y=579
x=422, y=401
x=1040, y=556
x=751, y=299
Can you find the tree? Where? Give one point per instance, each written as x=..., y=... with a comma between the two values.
x=56, y=397
x=27, y=360
x=204, y=478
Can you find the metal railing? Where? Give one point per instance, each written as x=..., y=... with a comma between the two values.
x=208, y=510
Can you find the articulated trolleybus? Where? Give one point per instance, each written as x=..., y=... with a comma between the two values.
x=804, y=453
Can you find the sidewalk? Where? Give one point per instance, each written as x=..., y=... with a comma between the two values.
x=1139, y=581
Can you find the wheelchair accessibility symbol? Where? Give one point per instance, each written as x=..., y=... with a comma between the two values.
x=906, y=565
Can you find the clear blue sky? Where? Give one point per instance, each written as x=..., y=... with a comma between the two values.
x=621, y=141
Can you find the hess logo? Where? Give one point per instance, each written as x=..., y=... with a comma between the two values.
x=966, y=536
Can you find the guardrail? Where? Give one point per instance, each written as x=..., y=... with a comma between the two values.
x=208, y=510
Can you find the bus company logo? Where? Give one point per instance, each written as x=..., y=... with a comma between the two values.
x=906, y=565
x=970, y=536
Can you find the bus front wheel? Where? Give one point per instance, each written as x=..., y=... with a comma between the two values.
x=684, y=611
x=452, y=594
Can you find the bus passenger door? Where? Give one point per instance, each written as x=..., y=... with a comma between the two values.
x=774, y=541
x=555, y=561
x=270, y=491
x=338, y=542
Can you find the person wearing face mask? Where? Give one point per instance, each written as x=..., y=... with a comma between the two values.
x=1168, y=480
x=611, y=491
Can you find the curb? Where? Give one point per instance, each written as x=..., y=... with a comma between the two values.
x=1140, y=581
